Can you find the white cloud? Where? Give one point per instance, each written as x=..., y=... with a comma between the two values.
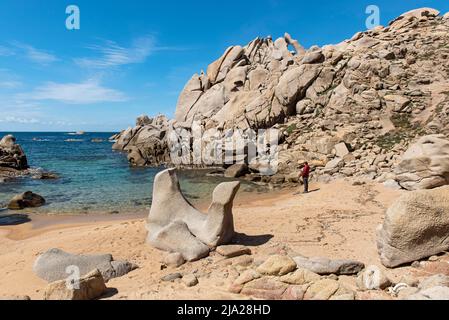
x=10, y=84
x=35, y=55
x=12, y=119
x=87, y=92
x=113, y=54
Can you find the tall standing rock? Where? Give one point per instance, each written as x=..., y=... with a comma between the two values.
x=174, y=225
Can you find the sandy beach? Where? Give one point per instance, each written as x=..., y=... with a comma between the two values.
x=336, y=220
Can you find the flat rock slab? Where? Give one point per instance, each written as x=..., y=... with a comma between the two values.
x=56, y=264
x=324, y=266
x=277, y=265
x=231, y=251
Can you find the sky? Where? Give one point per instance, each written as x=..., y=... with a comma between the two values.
x=134, y=57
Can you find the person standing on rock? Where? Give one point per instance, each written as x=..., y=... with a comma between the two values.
x=305, y=173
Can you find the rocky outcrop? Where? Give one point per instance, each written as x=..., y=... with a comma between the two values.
x=26, y=200
x=55, y=265
x=11, y=154
x=357, y=104
x=425, y=165
x=13, y=161
x=174, y=225
x=416, y=226
x=146, y=144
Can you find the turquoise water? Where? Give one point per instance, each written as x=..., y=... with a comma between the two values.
x=93, y=177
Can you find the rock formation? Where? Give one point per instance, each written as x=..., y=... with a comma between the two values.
x=13, y=161
x=425, y=165
x=26, y=200
x=375, y=93
x=89, y=287
x=174, y=225
x=416, y=226
x=11, y=154
x=53, y=265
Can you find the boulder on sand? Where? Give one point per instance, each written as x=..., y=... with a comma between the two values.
x=56, y=264
x=26, y=200
x=416, y=226
x=89, y=287
x=425, y=165
x=174, y=225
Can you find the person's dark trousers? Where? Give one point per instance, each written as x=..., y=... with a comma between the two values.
x=306, y=185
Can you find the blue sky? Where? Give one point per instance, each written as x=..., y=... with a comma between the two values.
x=134, y=57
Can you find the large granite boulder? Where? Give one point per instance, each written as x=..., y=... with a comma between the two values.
x=425, y=164
x=416, y=226
x=12, y=154
x=26, y=200
x=54, y=264
x=174, y=225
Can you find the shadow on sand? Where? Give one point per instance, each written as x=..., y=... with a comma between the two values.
x=13, y=219
x=252, y=241
x=110, y=292
x=310, y=191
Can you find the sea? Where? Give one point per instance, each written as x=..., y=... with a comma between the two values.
x=93, y=178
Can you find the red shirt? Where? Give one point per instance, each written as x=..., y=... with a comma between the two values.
x=305, y=171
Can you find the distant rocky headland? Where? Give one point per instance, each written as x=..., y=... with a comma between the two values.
x=351, y=109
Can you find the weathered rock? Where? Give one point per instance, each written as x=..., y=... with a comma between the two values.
x=247, y=276
x=265, y=288
x=231, y=251
x=12, y=154
x=294, y=83
x=277, y=265
x=143, y=120
x=425, y=165
x=376, y=90
x=300, y=277
x=294, y=293
x=434, y=293
x=415, y=227
x=55, y=265
x=176, y=226
x=89, y=287
x=373, y=278
x=438, y=280
x=26, y=200
x=325, y=289
x=341, y=150
x=174, y=259
x=392, y=184
x=236, y=171
x=334, y=166
x=171, y=277
x=324, y=266
x=190, y=280
x=313, y=57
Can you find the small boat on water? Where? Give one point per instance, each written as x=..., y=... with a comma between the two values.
x=78, y=133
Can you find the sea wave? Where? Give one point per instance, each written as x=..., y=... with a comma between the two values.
x=74, y=140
